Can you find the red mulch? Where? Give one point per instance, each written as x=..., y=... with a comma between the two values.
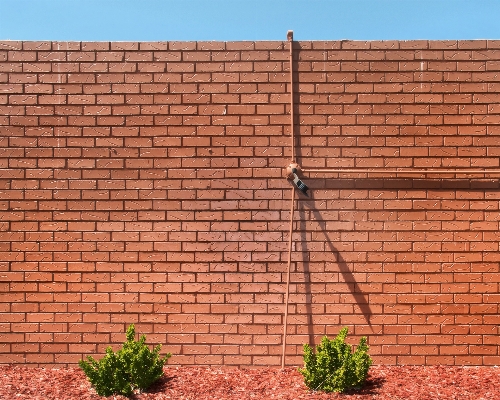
x=200, y=383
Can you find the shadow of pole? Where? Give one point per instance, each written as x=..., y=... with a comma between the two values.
x=306, y=211
x=306, y=206
x=304, y=249
x=361, y=300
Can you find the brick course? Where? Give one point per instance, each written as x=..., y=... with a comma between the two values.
x=144, y=183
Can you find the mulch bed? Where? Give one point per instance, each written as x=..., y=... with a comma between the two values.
x=214, y=383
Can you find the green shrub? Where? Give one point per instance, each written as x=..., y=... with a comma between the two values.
x=334, y=367
x=132, y=367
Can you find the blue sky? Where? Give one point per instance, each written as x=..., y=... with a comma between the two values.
x=227, y=20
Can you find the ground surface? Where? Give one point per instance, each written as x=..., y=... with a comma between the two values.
x=200, y=383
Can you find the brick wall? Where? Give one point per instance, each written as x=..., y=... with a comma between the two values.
x=144, y=183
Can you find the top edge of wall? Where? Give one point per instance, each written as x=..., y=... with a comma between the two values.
x=345, y=44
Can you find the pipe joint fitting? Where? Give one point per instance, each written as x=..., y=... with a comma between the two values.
x=290, y=170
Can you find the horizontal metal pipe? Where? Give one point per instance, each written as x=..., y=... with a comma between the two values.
x=400, y=171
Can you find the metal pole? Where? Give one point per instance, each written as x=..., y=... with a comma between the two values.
x=459, y=171
x=289, y=36
x=292, y=202
x=287, y=294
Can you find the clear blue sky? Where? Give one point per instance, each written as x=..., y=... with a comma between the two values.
x=227, y=20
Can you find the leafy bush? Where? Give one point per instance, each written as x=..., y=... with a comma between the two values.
x=134, y=366
x=334, y=367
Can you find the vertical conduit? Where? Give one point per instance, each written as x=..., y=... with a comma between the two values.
x=292, y=201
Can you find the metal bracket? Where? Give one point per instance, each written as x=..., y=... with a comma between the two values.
x=292, y=170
